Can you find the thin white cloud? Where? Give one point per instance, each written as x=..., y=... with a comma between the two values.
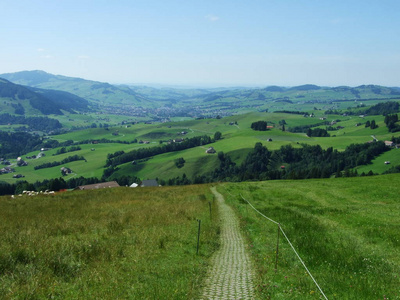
x=212, y=18
x=47, y=56
x=40, y=49
x=83, y=57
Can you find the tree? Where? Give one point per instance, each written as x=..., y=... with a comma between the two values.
x=373, y=124
x=217, y=136
x=180, y=162
x=259, y=125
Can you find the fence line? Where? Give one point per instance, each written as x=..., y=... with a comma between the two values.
x=284, y=234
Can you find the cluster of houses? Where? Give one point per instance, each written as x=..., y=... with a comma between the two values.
x=6, y=170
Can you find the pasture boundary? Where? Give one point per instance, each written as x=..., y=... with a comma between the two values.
x=284, y=234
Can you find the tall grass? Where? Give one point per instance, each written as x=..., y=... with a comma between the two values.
x=346, y=231
x=112, y=243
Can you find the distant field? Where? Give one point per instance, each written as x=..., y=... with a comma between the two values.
x=117, y=243
x=345, y=230
x=237, y=139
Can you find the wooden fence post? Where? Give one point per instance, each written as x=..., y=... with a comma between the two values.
x=277, y=249
x=198, y=236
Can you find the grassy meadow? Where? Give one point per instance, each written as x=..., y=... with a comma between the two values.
x=141, y=243
x=116, y=243
x=345, y=230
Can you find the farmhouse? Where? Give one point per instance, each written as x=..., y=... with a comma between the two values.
x=102, y=185
x=65, y=171
x=211, y=150
x=389, y=143
x=150, y=182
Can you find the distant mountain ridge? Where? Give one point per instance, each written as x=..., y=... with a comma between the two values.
x=33, y=100
x=93, y=91
x=161, y=103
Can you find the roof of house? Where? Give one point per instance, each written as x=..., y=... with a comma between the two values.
x=211, y=150
x=150, y=182
x=101, y=185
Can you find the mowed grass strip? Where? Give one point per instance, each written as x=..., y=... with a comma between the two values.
x=345, y=230
x=119, y=243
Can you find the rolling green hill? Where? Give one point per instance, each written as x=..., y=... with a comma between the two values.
x=164, y=103
x=21, y=100
x=97, y=92
x=238, y=139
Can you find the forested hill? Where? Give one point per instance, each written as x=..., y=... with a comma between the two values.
x=21, y=100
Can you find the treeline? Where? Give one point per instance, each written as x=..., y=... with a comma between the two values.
x=259, y=126
x=58, y=163
x=57, y=184
x=34, y=123
x=317, y=132
x=305, y=128
x=63, y=150
x=295, y=112
x=18, y=143
x=289, y=163
x=385, y=108
x=390, y=121
x=104, y=141
x=121, y=158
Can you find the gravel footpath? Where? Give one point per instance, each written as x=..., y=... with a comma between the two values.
x=231, y=274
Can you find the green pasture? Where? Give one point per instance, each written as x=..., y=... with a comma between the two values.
x=93, y=167
x=119, y=243
x=345, y=230
x=378, y=164
x=163, y=166
x=237, y=138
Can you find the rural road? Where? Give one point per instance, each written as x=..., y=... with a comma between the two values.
x=231, y=274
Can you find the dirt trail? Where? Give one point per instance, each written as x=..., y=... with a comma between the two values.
x=231, y=274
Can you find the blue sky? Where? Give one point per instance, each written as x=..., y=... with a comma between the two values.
x=205, y=43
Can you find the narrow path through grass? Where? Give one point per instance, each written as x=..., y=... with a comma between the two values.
x=231, y=275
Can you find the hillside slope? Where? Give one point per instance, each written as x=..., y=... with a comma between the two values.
x=94, y=91
x=21, y=100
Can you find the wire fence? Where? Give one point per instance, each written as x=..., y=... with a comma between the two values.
x=287, y=239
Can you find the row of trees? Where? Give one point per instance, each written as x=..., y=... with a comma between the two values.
x=259, y=126
x=34, y=123
x=300, y=163
x=371, y=124
x=317, y=132
x=63, y=150
x=141, y=153
x=16, y=144
x=390, y=121
x=59, y=163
